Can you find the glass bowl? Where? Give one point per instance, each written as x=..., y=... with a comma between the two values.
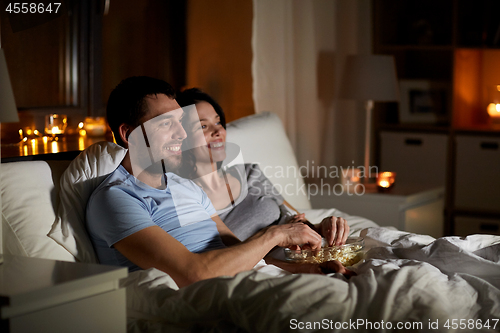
x=348, y=254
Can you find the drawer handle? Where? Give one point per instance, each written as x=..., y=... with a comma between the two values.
x=489, y=145
x=413, y=142
x=489, y=227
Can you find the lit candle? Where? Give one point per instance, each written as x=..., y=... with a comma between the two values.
x=55, y=130
x=494, y=110
x=385, y=180
x=95, y=126
x=55, y=124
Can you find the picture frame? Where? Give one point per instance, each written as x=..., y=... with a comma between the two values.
x=424, y=101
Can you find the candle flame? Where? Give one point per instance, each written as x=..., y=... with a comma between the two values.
x=384, y=183
x=494, y=109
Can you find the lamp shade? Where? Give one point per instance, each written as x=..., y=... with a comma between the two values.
x=8, y=110
x=370, y=77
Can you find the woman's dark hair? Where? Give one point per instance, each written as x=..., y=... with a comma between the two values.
x=189, y=97
x=195, y=95
x=126, y=103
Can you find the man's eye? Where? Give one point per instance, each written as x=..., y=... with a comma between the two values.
x=203, y=126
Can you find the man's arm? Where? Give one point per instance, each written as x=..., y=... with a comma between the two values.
x=153, y=247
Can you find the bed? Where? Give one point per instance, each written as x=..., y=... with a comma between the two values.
x=406, y=282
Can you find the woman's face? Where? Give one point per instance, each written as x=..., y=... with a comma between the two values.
x=208, y=136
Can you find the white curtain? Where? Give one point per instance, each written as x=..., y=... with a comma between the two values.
x=299, y=47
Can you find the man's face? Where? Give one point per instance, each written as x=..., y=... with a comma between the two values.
x=160, y=136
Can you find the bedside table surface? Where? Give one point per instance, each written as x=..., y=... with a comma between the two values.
x=42, y=295
x=24, y=278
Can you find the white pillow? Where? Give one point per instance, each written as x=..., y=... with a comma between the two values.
x=29, y=197
x=78, y=182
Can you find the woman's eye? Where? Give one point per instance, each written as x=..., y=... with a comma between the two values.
x=203, y=126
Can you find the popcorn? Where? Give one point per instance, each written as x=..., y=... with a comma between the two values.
x=348, y=254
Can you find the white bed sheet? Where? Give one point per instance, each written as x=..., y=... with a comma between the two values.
x=403, y=278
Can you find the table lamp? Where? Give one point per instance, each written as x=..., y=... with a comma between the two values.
x=369, y=78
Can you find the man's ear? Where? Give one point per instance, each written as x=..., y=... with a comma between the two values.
x=125, y=131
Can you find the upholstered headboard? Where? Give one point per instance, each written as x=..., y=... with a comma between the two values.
x=263, y=140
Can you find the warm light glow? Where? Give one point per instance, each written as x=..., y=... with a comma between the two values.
x=25, y=150
x=55, y=147
x=498, y=87
x=25, y=139
x=386, y=179
x=45, y=146
x=36, y=132
x=21, y=134
x=80, y=124
x=28, y=131
x=81, y=142
x=494, y=110
x=82, y=132
x=95, y=126
x=55, y=124
x=384, y=183
x=34, y=146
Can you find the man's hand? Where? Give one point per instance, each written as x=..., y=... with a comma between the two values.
x=334, y=229
x=296, y=234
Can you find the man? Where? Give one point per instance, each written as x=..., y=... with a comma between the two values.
x=144, y=215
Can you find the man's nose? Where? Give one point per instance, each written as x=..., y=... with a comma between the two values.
x=179, y=132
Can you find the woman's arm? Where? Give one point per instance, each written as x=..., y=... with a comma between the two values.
x=227, y=236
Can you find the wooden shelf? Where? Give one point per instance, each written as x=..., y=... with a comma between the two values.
x=66, y=147
x=455, y=42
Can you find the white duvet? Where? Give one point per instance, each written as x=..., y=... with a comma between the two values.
x=407, y=282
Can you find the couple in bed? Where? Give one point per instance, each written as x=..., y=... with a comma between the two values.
x=146, y=215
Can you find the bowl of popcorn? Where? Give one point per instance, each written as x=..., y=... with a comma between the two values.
x=348, y=254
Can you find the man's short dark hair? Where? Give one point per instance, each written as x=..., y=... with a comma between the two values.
x=127, y=105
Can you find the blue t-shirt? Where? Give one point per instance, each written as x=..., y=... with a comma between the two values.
x=122, y=205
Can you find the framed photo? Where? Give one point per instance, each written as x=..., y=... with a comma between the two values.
x=424, y=101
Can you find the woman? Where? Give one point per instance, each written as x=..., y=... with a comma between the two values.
x=244, y=198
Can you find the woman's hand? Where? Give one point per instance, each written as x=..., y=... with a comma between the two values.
x=297, y=218
x=292, y=234
x=334, y=229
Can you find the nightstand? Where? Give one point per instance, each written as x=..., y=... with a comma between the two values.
x=407, y=208
x=41, y=295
